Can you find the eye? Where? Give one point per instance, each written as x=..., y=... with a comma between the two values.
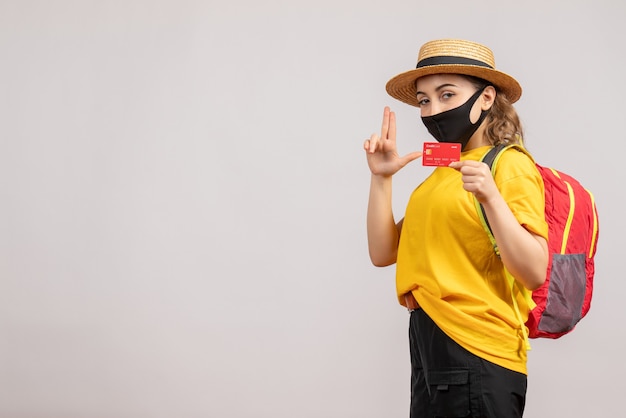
x=421, y=101
x=447, y=95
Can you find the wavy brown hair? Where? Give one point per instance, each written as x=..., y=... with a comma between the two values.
x=503, y=122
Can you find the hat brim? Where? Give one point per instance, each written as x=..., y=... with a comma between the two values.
x=403, y=88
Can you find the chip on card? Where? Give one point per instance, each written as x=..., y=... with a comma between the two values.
x=440, y=154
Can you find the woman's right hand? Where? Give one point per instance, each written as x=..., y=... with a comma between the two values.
x=381, y=151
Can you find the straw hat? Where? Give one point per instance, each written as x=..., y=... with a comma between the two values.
x=453, y=56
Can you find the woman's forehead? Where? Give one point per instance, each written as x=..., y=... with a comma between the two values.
x=434, y=80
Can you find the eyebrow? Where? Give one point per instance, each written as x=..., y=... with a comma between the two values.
x=438, y=88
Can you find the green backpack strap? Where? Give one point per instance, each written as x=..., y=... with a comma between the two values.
x=491, y=158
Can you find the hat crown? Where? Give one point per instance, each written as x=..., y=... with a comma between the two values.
x=456, y=48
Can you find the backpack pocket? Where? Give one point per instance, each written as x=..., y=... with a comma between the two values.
x=566, y=294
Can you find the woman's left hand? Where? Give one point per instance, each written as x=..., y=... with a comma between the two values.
x=477, y=179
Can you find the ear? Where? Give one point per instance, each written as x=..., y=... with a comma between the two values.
x=487, y=98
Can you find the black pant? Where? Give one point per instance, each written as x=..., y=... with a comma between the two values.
x=448, y=381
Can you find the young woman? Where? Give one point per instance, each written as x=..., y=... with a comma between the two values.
x=467, y=347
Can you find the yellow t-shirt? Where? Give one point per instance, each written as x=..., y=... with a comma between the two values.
x=446, y=259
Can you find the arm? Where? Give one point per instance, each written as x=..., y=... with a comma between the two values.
x=382, y=157
x=383, y=234
x=524, y=254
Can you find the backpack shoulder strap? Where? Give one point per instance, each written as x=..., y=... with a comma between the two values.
x=491, y=158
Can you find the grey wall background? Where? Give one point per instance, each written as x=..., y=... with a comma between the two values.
x=183, y=198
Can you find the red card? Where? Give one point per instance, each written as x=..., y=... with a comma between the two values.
x=440, y=154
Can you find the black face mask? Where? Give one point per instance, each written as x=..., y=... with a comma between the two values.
x=454, y=125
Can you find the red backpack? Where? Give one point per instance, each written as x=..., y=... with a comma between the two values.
x=572, y=217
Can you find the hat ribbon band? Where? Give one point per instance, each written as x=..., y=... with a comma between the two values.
x=444, y=60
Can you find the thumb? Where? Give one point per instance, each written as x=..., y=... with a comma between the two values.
x=410, y=157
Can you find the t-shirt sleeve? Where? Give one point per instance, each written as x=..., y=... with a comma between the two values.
x=521, y=185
